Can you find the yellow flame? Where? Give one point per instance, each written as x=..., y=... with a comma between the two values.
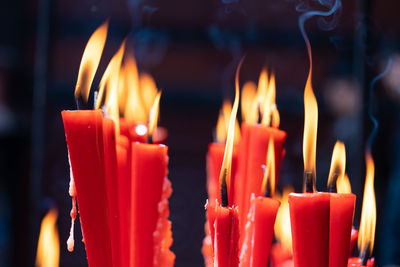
x=223, y=124
x=343, y=185
x=122, y=89
x=227, y=161
x=134, y=110
x=338, y=163
x=282, y=224
x=48, y=249
x=148, y=89
x=310, y=127
x=269, y=174
x=262, y=90
x=270, y=111
x=90, y=61
x=368, y=215
x=248, y=98
x=109, y=83
x=154, y=114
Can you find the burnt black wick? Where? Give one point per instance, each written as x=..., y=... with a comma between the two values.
x=224, y=189
x=332, y=188
x=309, y=182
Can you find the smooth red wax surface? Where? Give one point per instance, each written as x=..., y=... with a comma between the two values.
x=149, y=168
x=111, y=173
x=341, y=217
x=356, y=262
x=259, y=232
x=281, y=257
x=84, y=135
x=353, y=241
x=226, y=243
x=309, y=217
x=253, y=149
x=215, y=156
x=124, y=196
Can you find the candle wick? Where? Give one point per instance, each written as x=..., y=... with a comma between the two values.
x=149, y=139
x=364, y=254
x=332, y=188
x=224, y=190
x=309, y=182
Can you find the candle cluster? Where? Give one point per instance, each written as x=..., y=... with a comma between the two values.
x=118, y=171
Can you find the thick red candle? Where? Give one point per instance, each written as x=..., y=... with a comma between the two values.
x=353, y=241
x=252, y=153
x=149, y=170
x=281, y=257
x=357, y=262
x=111, y=175
x=124, y=195
x=310, y=217
x=341, y=222
x=84, y=135
x=215, y=157
x=259, y=232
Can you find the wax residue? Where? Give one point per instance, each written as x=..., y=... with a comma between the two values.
x=162, y=236
x=73, y=213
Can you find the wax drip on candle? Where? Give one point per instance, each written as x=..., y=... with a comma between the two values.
x=73, y=213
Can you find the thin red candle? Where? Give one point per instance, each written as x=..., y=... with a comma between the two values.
x=84, y=135
x=353, y=241
x=111, y=175
x=259, y=232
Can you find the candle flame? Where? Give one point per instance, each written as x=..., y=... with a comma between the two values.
x=154, y=114
x=48, y=249
x=227, y=161
x=135, y=110
x=249, y=115
x=368, y=215
x=270, y=111
x=90, y=61
x=223, y=124
x=269, y=174
x=122, y=89
x=109, y=83
x=343, y=185
x=338, y=163
x=282, y=224
x=310, y=128
x=148, y=89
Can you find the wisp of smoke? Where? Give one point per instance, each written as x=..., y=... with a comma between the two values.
x=374, y=131
x=334, y=5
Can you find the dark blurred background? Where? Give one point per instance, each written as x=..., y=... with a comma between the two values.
x=192, y=49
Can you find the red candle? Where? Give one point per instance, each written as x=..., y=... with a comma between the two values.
x=111, y=175
x=357, y=262
x=84, y=135
x=309, y=216
x=353, y=241
x=259, y=232
x=281, y=257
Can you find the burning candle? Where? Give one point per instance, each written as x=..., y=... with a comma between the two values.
x=48, y=249
x=84, y=136
x=254, y=142
x=366, y=236
x=341, y=210
x=259, y=231
x=224, y=217
x=150, y=237
x=310, y=211
x=281, y=253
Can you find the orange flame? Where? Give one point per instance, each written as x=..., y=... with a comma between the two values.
x=338, y=163
x=148, y=89
x=134, y=110
x=122, y=89
x=90, y=61
x=249, y=95
x=310, y=128
x=282, y=224
x=270, y=111
x=226, y=167
x=343, y=185
x=154, y=114
x=48, y=249
x=368, y=215
x=269, y=174
x=223, y=124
